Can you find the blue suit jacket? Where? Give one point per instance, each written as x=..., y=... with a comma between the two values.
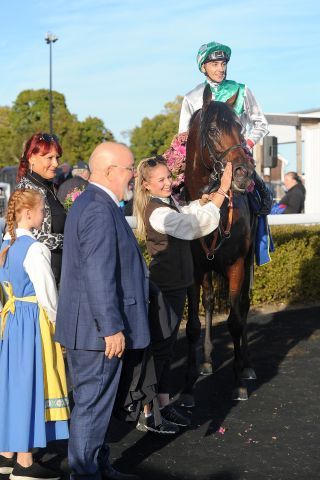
x=104, y=281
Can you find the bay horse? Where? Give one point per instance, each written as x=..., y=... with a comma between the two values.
x=215, y=138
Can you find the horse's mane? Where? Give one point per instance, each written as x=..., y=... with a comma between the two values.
x=192, y=118
x=222, y=115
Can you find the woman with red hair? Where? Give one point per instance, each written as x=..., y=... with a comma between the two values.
x=37, y=168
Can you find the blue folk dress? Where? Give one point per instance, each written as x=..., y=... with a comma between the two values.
x=23, y=407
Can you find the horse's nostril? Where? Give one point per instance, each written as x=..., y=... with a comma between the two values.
x=240, y=171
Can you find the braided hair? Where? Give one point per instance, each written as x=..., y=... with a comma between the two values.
x=18, y=201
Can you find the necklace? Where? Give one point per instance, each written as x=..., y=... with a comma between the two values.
x=42, y=185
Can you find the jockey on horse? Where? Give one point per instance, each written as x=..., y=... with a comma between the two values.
x=212, y=60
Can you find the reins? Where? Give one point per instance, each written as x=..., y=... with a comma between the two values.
x=225, y=233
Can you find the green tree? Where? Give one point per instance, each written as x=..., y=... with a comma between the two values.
x=30, y=114
x=91, y=132
x=154, y=135
x=6, y=136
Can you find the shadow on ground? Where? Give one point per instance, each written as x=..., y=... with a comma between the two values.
x=274, y=435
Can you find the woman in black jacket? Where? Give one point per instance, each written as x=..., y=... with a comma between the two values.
x=168, y=228
x=37, y=168
x=295, y=196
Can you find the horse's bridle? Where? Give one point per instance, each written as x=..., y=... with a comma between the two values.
x=215, y=175
x=214, y=172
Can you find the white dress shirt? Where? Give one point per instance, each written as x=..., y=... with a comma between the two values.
x=37, y=265
x=109, y=192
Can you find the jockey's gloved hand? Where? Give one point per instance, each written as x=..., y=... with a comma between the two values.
x=264, y=194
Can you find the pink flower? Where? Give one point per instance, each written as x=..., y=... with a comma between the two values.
x=176, y=158
x=182, y=149
x=72, y=196
x=75, y=194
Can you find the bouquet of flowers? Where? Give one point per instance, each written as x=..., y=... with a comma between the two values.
x=71, y=196
x=176, y=159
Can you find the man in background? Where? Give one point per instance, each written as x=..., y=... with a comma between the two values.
x=63, y=173
x=80, y=176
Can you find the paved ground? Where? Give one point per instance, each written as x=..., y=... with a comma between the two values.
x=274, y=435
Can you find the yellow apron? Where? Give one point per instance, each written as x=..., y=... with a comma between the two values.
x=54, y=376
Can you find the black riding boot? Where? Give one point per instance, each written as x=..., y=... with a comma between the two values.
x=264, y=194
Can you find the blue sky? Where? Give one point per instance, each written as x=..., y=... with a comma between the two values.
x=123, y=60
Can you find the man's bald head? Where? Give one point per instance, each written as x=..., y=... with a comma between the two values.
x=112, y=166
x=107, y=154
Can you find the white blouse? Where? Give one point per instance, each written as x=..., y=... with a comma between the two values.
x=191, y=222
x=37, y=265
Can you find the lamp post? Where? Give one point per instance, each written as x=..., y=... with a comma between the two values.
x=50, y=39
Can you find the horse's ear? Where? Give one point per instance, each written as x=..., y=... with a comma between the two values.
x=232, y=100
x=207, y=97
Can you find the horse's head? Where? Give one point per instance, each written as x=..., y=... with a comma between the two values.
x=222, y=142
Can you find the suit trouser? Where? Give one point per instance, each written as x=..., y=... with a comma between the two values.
x=95, y=381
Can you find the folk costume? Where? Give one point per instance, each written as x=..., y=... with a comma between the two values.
x=33, y=393
x=169, y=229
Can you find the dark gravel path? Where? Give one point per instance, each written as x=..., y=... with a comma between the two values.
x=274, y=435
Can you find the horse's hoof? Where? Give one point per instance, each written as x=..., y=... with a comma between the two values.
x=240, y=393
x=248, y=374
x=186, y=400
x=206, y=369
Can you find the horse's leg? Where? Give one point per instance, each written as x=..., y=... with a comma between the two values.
x=236, y=279
x=193, y=332
x=207, y=301
x=248, y=372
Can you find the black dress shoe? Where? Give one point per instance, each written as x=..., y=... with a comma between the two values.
x=109, y=473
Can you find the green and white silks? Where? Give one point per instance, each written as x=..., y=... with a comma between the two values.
x=254, y=123
x=225, y=90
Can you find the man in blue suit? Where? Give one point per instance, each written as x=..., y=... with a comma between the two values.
x=103, y=306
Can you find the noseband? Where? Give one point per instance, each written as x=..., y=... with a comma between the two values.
x=215, y=161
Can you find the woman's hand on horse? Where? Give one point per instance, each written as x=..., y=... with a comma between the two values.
x=226, y=178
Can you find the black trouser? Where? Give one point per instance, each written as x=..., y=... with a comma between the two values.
x=163, y=350
x=56, y=261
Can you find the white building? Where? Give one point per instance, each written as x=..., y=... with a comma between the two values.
x=302, y=127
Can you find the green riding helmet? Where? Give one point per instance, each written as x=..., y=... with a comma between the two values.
x=213, y=51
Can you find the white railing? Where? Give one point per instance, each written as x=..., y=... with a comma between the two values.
x=294, y=219
x=290, y=219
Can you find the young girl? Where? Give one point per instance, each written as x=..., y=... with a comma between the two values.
x=33, y=394
x=168, y=228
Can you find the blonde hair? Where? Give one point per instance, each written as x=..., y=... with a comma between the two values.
x=18, y=201
x=141, y=194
